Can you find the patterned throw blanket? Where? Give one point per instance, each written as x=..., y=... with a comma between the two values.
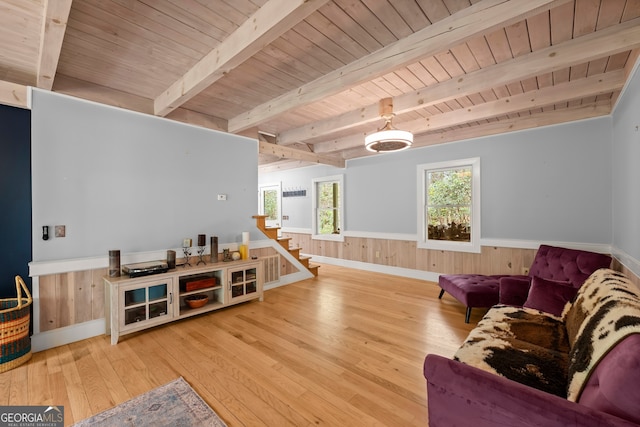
x=605, y=311
x=556, y=354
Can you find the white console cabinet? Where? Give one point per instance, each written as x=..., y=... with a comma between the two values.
x=134, y=304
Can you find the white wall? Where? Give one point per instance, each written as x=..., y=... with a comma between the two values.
x=123, y=180
x=548, y=184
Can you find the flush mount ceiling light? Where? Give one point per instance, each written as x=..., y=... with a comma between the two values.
x=388, y=139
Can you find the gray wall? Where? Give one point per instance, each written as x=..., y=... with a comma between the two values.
x=626, y=171
x=134, y=182
x=545, y=184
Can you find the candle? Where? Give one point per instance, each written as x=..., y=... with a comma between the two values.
x=214, y=248
x=186, y=243
x=245, y=238
x=202, y=240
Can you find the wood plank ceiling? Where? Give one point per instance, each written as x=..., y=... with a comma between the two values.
x=306, y=77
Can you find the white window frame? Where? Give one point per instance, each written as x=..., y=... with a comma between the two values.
x=423, y=242
x=314, y=210
x=278, y=187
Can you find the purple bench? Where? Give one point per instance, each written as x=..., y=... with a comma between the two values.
x=551, y=262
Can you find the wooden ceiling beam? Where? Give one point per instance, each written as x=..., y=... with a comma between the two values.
x=294, y=154
x=577, y=89
x=282, y=165
x=600, y=44
x=105, y=95
x=14, y=95
x=478, y=19
x=54, y=25
x=267, y=24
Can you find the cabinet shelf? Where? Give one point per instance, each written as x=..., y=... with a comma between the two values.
x=200, y=291
x=135, y=304
x=186, y=311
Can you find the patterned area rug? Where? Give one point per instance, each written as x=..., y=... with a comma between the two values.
x=173, y=404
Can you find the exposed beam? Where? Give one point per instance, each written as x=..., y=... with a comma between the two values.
x=14, y=95
x=54, y=25
x=291, y=153
x=577, y=89
x=198, y=119
x=105, y=95
x=482, y=17
x=548, y=118
x=606, y=42
x=267, y=24
x=282, y=165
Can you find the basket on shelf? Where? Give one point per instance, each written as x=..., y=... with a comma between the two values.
x=15, y=316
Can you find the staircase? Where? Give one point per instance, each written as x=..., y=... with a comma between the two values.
x=272, y=233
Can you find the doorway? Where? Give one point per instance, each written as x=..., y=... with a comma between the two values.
x=270, y=204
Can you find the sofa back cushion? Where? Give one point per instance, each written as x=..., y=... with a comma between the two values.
x=606, y=310
x=567, y=265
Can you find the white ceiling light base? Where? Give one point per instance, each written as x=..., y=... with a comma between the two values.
x=388, y=139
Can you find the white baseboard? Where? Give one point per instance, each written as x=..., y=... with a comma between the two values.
x=61, y=336
x=378, y=268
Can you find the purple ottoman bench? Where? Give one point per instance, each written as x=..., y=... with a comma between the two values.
x=472, y=290
x=571, y=266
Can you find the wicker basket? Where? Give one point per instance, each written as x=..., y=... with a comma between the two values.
x=15, y=315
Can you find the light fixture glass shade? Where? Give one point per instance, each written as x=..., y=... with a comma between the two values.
x=388, y=140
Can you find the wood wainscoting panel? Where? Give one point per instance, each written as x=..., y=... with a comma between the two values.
x=70, y=298
x=48, y=303
x=406, y=254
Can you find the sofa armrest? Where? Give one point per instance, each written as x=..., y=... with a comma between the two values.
x=460, y=395
x=514, y=290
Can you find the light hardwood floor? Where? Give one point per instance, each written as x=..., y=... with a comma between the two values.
x=343, y=349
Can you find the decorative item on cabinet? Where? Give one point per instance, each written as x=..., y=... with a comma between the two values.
x=202, y=241
x=214, y=249
x=114, y=263
x=171, y=259
x=186, y=250
x=196, y=300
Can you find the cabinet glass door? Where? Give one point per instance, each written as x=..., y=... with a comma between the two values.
x=237, y=284
x=251, y=283
x=145, y=302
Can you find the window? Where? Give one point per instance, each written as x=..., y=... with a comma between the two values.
x=449, y=205
x=328, y=209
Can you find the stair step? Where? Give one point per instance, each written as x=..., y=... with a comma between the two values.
x=271, y=232
x=304, y=260
x=284, y=242
x=314, y=269
x=294, y=251
x=260, y=221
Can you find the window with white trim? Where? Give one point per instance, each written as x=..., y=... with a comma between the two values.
x=449, y=205
x=328, y=207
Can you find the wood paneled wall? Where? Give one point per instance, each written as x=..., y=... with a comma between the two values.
x=405, y=254
x=285, y=266
x=71, y=298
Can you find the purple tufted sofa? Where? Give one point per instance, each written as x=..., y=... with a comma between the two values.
x=596, y=340
x=551, y=262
